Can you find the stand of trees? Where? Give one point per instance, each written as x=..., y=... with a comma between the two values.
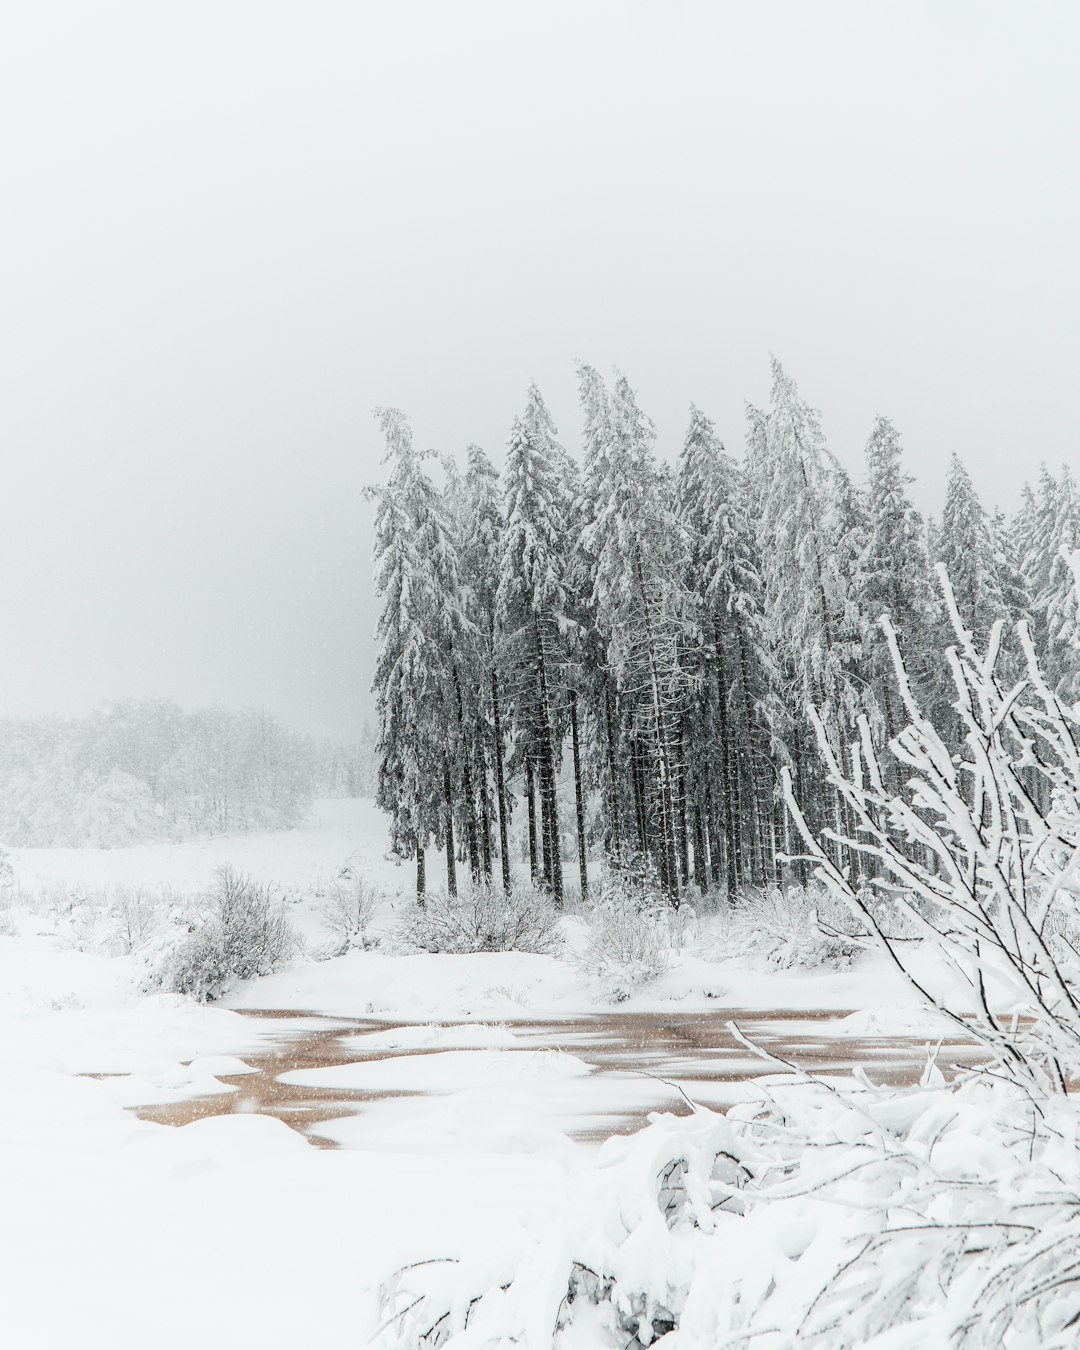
x=141, y=770
x=667, y=629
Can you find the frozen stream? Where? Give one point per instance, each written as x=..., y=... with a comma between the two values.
x=372, y=1084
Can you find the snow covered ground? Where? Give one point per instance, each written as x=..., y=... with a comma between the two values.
x=234, y=1229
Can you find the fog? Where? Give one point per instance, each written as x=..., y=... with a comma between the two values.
x=230, y=230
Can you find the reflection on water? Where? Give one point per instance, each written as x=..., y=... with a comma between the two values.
x=695, y=1052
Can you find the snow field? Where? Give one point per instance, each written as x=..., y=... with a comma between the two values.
x=234, y=1229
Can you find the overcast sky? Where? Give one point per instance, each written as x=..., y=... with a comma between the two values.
x=229, y=230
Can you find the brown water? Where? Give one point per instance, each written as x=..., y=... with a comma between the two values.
x=680, y=1050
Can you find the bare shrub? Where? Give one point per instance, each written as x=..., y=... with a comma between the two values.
x=484, y=919
x=242, y=932
x=345, y=908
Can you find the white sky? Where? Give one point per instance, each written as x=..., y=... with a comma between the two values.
x=230, y=229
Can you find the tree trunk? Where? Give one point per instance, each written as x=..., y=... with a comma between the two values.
x=683, y=838
x=533, y=861
x=579, y=800
x=485, y=818
x=640, y=810
x=549, y=802
x=500, y=784
x=421, y=875
x=701, y=879
x=613, y=778
x=731, y=848
x=467, y=784
x=714, y=848
x=451, y=864
x=760, y=813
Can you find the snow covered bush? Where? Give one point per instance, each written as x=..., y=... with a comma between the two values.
x=980, y=852
x=484, y=919
x=810, y=1216
x=239, y=932
x=633, y=931
x=345, y=908
x=791, y=927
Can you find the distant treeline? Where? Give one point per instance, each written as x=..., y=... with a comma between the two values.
x=142, y=770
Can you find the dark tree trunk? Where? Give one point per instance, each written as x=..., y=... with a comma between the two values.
x=500, y=784
x=467, y=785
x=421, y=876
x=701, y=879
x=640, y=808
x=451, y=864
x=549, y=803
x=579, y=800
x=613, y=778
x=485, y=820
x=534, y=872
x=714, y=843
x=683, y=839
x=764, y=853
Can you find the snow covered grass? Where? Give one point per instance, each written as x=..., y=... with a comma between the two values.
x=482, y=918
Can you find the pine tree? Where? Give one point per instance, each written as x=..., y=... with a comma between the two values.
x=481, y=559
x=532, y=606
x=643, y=613
x=967, y=549
x=415, y=576
x=728, y=774
x=896, y=575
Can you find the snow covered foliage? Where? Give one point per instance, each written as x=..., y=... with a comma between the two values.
x=814, y=1215
x=484, y=918
x=237, y=932
x=980, y=852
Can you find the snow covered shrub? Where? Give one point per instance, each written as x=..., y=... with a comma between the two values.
x=633, y=930
x=240, y=932
x=484, y=919
x=136, y=914
x=791, y=927
x=345, y=908
x=811, y=1216
x=980, y=852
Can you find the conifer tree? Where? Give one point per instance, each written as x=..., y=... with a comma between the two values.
x=532, y=607
x=415, y=573
x=896, y=574
x=643, y=613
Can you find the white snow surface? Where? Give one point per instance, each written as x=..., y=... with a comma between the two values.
x=235, y=1230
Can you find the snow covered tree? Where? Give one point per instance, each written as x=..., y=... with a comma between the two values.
x=730, y=773
x=415, y=578
x=532, y=607
x=481, y=559
x=643, y=614
x=896, y=574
